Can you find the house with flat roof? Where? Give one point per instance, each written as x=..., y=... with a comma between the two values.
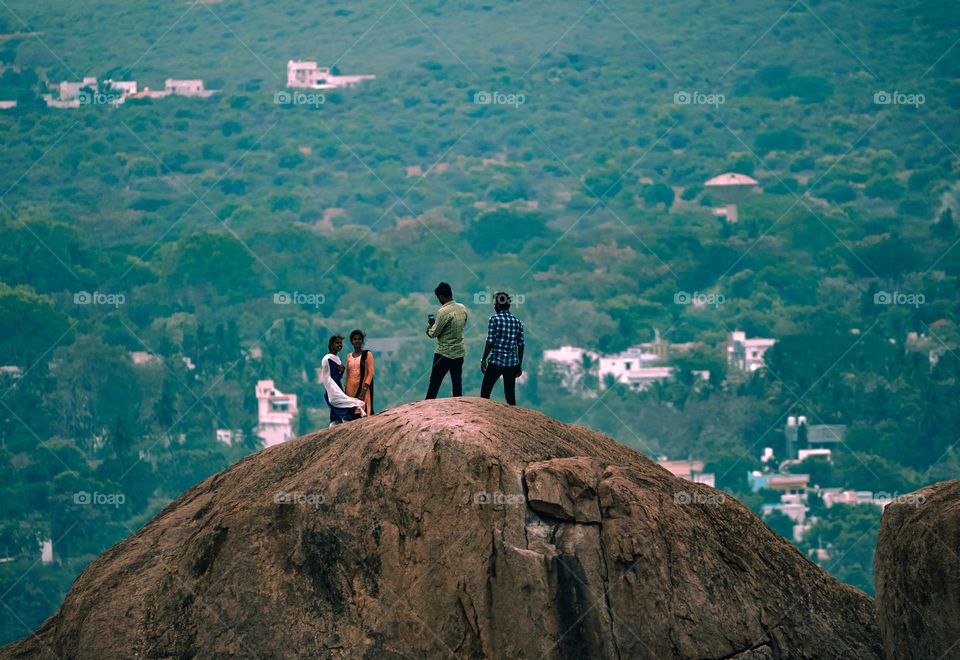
x=746, y=355
x=798, y=434
x=307, y=74
x=187, y=88
x=787, y=483
x=690, y=470
x=633, y=368
x=572, y=363
x=276, y=413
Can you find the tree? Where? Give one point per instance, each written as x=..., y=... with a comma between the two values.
x=945, y=227
x=780, y=523
x=505, y=230
x=884, y=187
x=29, y=325
x=122, y=435
x=94, y=384
x=658, y=193
x=787, y=139
x=204, y=265
x=839, y=192
x=603, y=183
x=165, y=410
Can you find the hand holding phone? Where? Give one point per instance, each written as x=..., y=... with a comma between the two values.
x=431, y=319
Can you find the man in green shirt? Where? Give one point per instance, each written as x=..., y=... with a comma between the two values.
x=447, y=328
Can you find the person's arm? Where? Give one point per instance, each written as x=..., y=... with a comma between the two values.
x=438, y=325
x=368, y=376
x=520, y=350
x=491, y=329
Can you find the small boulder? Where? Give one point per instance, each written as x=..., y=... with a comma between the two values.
x=564, y=488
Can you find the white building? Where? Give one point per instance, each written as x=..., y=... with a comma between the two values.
x=690, y=470
x=571, y=362
x=632, y=369
x=747, y=354
x=186, y=88
x=276, y=413
x=833, y=496
x=7, y=105
x=306, y=74
x=229, y=436
x=142, y=357
x=798, y=433
x=70, y=90
x=820, y=452
x=46, y=551
x=125, y=87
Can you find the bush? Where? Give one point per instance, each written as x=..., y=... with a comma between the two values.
x=284, y=203
x=787, y=139
x=839, y=192
x=142, y=167
x=884, y=187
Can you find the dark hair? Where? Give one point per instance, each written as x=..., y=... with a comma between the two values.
x=363, y=337
x=332, y=339
x=443, y=289
x=502, y=299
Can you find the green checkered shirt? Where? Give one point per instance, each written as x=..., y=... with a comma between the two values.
x=448, y=329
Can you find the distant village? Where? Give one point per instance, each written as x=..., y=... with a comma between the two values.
x=301, y=74
x=638, y=368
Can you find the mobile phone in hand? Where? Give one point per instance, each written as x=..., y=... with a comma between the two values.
x=431, y=319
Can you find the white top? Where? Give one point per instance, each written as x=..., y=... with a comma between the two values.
x=336, y=396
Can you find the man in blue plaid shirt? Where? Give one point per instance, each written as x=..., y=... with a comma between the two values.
x=504, y=348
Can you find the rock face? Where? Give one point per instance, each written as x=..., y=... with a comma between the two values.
x=457, y=527
x=917, y=573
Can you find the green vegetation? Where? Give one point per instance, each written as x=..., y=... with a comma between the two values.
x=182, y=218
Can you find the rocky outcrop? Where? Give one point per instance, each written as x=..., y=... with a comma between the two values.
x=917, y=573
x=458, y=527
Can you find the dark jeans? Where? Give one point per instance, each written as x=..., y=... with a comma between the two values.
x=491, y=377
x=441, y=365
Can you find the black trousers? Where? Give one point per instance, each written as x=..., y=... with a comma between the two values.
x=492, y=375
x=441, y=365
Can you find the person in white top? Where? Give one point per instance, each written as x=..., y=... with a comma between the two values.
x=343, y=408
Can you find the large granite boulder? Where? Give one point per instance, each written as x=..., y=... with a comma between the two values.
x=457, y=527
x=917, y=573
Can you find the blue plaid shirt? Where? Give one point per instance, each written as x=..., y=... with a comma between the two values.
x=505, y=334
